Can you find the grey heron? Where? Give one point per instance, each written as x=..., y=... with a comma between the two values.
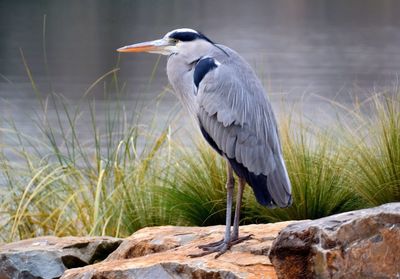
x=220, y=89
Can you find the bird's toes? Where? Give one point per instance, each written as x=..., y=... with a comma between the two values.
x=225, y=247
x=234, y=240
x=219, y=247
x=241, y=239
x=210, y=245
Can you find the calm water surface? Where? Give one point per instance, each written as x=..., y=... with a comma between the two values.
x=300, y=49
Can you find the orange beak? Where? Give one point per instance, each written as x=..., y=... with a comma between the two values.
x=158, y=46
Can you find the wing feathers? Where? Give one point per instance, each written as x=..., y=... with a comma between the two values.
x=230, y=146
x=235, y=114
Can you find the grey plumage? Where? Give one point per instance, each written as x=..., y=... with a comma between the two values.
x=233, y=109
x=223, y=94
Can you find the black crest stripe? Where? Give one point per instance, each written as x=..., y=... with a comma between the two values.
x=188, y=36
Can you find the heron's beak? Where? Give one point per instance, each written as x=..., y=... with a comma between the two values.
x=162, y=46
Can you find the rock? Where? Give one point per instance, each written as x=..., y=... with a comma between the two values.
x=162, y=252
x=48, y=257
x=357, y=244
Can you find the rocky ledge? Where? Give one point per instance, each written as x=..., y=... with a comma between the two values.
x=48, y=257
x=162, y=252
x=358, y=244
x=155, y=252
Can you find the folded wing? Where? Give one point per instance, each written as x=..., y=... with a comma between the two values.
x=237, y=120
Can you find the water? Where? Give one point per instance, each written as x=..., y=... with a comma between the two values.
x=333, y=49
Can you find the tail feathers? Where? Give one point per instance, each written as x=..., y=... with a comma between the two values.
x=279, y=186
x=273, y=190
x=259, y=185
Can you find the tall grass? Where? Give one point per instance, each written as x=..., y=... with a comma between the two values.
x=317, y=168
x=131, y=175
x=195, y=193
x=58, y=183
x=375, y=148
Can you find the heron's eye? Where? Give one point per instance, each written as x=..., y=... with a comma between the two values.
x=175, y=41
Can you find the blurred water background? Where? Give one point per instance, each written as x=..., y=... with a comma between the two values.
x=301, y=49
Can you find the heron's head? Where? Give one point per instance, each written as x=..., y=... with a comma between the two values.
x=183, y=41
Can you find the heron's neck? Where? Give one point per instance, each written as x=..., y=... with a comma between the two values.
x=180, y=75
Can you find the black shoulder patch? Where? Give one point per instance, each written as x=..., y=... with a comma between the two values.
x=204, y=66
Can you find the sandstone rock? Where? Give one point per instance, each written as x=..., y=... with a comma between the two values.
x=357, y=244
x=48, y=257
x=162, y=252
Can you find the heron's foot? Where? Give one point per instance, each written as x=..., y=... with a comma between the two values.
x=219, y=246
x=221, y=249
x=234, y=240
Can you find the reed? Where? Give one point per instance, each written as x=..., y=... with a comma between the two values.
x=130, y=175
x=374, y=141
x=318, y=170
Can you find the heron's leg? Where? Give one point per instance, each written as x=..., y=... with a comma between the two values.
x=239, y=197
x=230, y=185
x=235, y=234
x=223, y=245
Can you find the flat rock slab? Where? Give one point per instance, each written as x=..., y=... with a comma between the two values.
x=358, y=244
x=48, y=257
x=162, y=252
